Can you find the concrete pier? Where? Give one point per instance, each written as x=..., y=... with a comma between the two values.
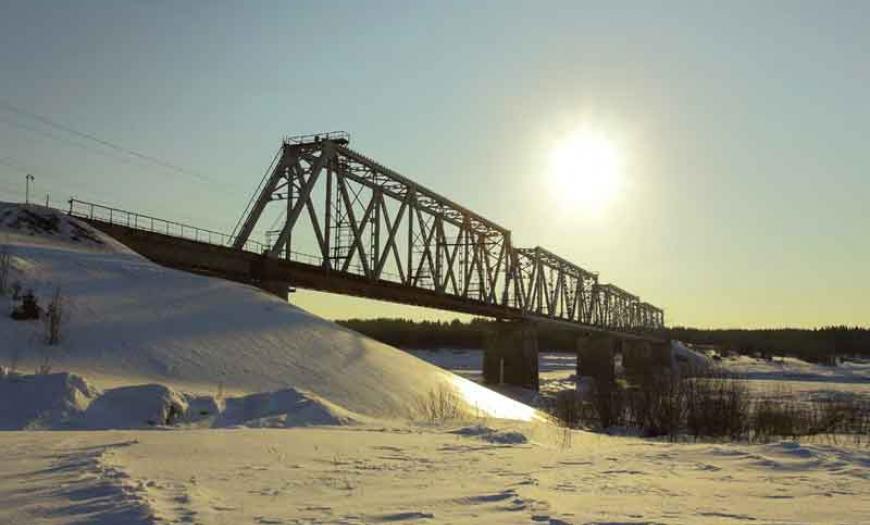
x=511, y=355
x=595, y=357
x=645, y=357
x=280, y=289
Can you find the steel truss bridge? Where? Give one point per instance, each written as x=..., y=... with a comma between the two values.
x=336, y=220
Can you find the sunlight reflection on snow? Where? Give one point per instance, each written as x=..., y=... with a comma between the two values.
x=490, y=403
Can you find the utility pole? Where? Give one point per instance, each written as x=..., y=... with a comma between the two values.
x=27, y=180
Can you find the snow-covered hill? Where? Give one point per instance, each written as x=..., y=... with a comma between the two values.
x=131, y=321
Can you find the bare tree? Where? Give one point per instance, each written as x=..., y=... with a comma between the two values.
x=5, y=268
x=55, y=316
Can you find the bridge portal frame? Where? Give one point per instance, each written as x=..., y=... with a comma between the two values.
x=445, y=247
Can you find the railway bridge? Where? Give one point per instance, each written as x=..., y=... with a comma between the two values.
x=325, y=217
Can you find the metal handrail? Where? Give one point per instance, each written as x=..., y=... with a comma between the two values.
x=98, y=212
x=89, y=210
x=317, y=137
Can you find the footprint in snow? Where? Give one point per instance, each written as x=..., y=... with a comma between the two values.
x=742, y=517
x=388, y=447
x=527, y=481
x=544, y=518
x=404, y=516
x=488, y=498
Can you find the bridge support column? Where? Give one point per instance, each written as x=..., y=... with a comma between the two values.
x=636, y=357
x=641, y=358
x=510, y=355
x=277, y=288
x=595, y=357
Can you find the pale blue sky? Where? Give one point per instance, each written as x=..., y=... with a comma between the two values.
x=744, y=125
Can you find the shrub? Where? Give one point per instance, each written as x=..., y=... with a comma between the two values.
x=778, y=418
x=717, y=405
x=55, y=316
x=5, y=268
x=608, y=403
x=570, y=409
x=440, y=404
x=656, y=407
x=28, y=309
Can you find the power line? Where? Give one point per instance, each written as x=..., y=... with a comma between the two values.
x=24, y=168
x=5, y=160
x=108, y=144
x=123, y=153
x=85, y=146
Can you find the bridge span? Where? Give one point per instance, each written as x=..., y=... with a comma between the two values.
x=334, y=220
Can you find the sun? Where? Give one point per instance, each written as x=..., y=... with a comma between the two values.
x=587, y=171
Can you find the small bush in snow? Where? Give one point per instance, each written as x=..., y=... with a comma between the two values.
x=778, y=418
x=657, y=406
x=440, y=404
x=28, y=309
x=717, y=405
x=570, y=409
x=609, y=402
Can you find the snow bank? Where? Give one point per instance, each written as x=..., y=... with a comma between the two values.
x=687, y=360
x=42, y=401
x=794, y=369
x=131, y=321
x=492, y=435
x=67, y=401
x=284, y=408
x=138, y=406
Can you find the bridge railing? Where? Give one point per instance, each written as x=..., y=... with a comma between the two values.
x=341, y=136
x=98, y=212
x=138, y=221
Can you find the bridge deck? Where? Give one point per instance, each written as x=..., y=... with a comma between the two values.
x=208, y=258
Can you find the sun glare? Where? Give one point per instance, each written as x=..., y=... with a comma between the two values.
x=587, y=171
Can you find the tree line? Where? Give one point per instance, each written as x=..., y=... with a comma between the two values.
x=821, y=345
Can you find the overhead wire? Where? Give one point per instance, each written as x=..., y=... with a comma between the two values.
x=120, y=153
x=108, y=144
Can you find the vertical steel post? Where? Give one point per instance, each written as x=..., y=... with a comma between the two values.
x=375, y=245
x=291, y=176
x=327, y=221
x=412, y=209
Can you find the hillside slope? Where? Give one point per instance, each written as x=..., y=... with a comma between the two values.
x=130, y=320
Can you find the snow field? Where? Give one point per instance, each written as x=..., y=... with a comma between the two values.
x=376, y=474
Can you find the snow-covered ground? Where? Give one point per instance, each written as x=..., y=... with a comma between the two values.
x=377, y=475
x=169, y=380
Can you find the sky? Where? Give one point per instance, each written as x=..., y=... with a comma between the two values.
x=741, y=127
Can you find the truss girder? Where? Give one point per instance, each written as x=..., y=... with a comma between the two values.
x=370, y=221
